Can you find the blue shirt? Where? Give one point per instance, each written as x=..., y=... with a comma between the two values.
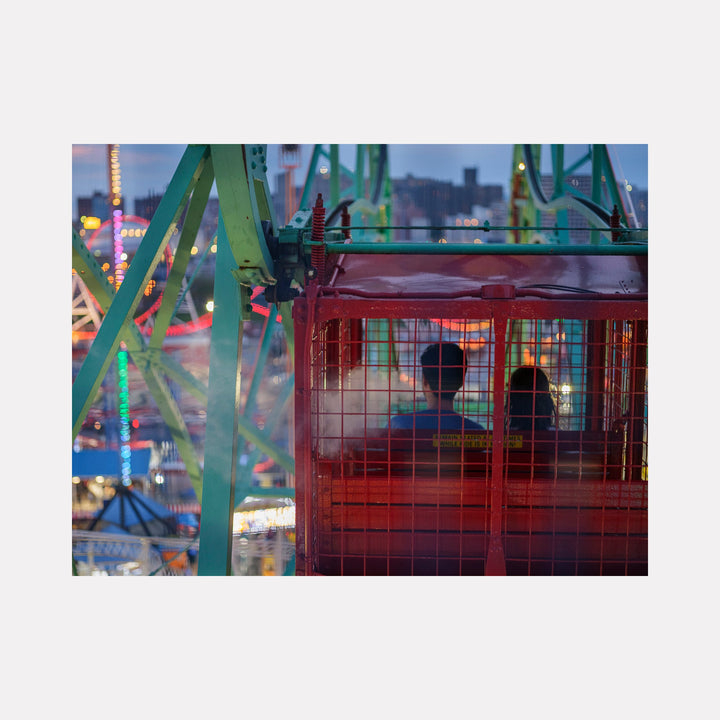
x=428, y=420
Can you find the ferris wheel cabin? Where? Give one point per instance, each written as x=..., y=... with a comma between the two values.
x=491, y=486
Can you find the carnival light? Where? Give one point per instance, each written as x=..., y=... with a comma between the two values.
x=124, y=412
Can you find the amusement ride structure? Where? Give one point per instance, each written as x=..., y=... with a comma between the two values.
x=351, y=300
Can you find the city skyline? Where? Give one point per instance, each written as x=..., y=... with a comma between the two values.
x=147, y=168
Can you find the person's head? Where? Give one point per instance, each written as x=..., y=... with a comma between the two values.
x=443, y=367
x=530, y=403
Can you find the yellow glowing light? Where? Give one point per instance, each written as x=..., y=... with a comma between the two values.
x=194, y=250
x=116, y=201
x=105, y=267
x=521, y=166
x=209, y=305
x=213, y=249
x=76, y=480
x=442, y=240
x=466, y=222
x=91, y=223
x=565, y=389
x=477, y=241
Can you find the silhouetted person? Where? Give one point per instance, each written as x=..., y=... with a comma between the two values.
x=443, y=372
x=530, y=404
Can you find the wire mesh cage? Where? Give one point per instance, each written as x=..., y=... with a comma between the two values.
x=471, y=436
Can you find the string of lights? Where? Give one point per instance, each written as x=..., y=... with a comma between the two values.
x=122, y=356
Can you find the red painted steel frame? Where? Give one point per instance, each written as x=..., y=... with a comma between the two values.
x=319, y=305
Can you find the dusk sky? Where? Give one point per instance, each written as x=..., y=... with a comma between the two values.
x=149, y=168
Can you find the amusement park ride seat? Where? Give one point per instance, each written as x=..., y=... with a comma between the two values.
x=570, y=500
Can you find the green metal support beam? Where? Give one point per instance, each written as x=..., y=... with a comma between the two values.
x=191, y=225
x=399, y=248
x=121, y=311
x=222, y=414
x=244, y=201
x=261, y=438
x=245, y=473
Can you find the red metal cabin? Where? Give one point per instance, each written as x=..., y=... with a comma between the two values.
x=566, y=498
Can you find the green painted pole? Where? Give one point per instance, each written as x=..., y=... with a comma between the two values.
x=359, y=183
x=221, y=436
x=245, y=472
x=596, y=186
x=251, y=400
x=191, y=225
x=399, y=248
x=334, y=175
x=558, y=160
x=312, y=167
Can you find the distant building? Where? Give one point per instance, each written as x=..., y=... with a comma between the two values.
x=437, y=200
x=146, y=207
x=94, y=206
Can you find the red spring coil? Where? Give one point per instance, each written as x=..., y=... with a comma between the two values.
x=317, y=254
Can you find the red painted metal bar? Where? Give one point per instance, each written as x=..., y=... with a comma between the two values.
x=327, y=307
x=496, y=558
x=303, y=464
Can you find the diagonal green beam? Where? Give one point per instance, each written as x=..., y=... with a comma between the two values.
x=251, y=400
x=270, y=425
x=191, y=225
x=151, y=364
x=128, y=295
x=261, y=438
x=310, y=177
x=175, y=371
x=287, y=323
